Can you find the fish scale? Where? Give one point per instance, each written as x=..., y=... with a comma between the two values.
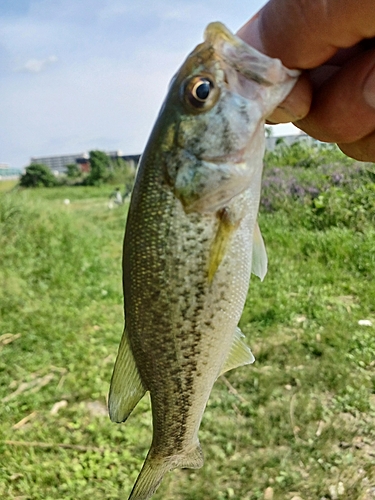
x=191, y=341
x=189, y=242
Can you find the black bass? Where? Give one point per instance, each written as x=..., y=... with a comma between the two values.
x=191, y=242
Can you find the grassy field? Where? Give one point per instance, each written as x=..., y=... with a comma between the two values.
x=298, y=424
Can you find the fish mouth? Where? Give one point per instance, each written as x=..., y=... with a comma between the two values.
x=234, y=158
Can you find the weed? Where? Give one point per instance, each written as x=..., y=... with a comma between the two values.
x=298, y=422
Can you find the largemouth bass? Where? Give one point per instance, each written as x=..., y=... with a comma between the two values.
x=191, y=241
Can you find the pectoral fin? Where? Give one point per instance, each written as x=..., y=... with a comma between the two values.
x=219, y=246
x=126, y=386
x=260, y=261
x=239, y=354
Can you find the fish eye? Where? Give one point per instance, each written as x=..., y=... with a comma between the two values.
x=200, y=92
x=201, y=89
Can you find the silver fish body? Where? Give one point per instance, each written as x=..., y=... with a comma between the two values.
x=188, y=246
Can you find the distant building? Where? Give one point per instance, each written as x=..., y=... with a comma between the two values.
x=6, y=172
x=133, y=160
x=83, y=163
x=58, y=163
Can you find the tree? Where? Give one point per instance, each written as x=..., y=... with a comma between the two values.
x=72, y=170
x=37, y=175
x=99, y=163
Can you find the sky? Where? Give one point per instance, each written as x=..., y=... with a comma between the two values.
x=92, y=74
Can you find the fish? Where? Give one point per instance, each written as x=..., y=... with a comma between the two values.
x=191, y=242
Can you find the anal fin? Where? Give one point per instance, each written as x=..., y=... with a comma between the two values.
x=126, y=386
x=239, y=354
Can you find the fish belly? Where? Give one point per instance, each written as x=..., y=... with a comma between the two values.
x=181, y=322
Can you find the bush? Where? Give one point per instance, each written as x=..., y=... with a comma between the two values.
x=99, y=168
x=72, y=170
x=310, y=184
x=305, y=153
x=37, y=175
x=122, y=173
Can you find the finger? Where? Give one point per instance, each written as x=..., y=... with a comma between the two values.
x=304, y=34
x=296, y=105
x=343, y=108
x=362, y=150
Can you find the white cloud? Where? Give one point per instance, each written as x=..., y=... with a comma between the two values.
x=38, y=65
x=99, y=70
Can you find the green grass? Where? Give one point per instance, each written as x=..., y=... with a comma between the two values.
x=300, y=420
x=7, y=185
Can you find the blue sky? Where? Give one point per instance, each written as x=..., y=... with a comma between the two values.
x=92, y=74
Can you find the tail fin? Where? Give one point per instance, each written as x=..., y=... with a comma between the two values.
x=153, y=471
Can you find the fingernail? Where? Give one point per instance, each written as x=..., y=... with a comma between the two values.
x=369, y=88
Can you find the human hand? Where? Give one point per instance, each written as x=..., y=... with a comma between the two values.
x=333, y=42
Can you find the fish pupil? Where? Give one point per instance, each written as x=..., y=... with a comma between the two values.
x=202, y=90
